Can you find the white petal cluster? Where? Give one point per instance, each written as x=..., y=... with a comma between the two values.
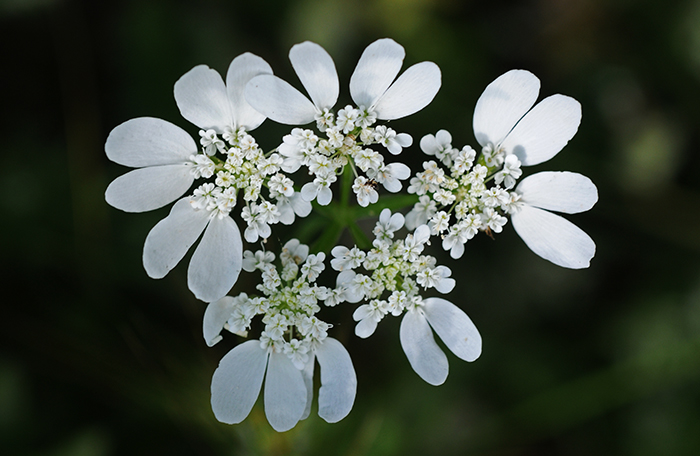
x=167, y=162
x=394, y=273
x=292, y=339
x=346, y=136
x=481, y=193
x=461, y=191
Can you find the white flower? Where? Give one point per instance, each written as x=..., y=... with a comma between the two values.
x=363, y=188
x=319, y=190
x=460, y=234
x=313, y=326
x=493, y=220
x=344, y=258
x=394, y=142
x=313, y=266
x=335, y=297
x=367, y=316
x=391, y=175
x=396, y=303
x=439, y=145
x=355, y=285
x=505, y=123
x=494, y=197
x=256, y=218
x=387, y=224
x=413, y=244
x=510, y=173
x=453, y=326
x=294, y=251
x=289, y=207
x=297, y=350
x=346, y=118
x=158, y=148
x=257, y=260
x=439, y=222
x=438, y=278
x=373, y=85
x=463, y=160
x=279, y=184
x=548, y=235
x=211, y=142
x=368, y=159
x=237, y=382
x=422, y=211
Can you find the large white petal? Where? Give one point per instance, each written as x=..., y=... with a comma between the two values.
x=278, y=100
x=217, y=261
x=410, y=93
x=172, y=237
x=149, y=188
x=545, y=130
x=147, y=141
x=338, y=381
x=454, y=328
x=285, y=393
x=417, y=341
x=377, y=68
x=502, y=104
x=554, y=238
x=236, y=383
x=316, y=72
x=216, y=315
x=559, y=191
x=202, y=98
x=242, y=69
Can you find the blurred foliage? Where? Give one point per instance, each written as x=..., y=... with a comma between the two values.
x=97, y=359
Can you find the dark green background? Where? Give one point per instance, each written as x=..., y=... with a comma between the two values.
x=98, y=359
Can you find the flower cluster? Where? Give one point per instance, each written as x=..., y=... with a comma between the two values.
x=480, y=192
x=460, y=192
x=292, y=339
x=168, y=162
x=345, y=143
x=347, y=133
x=463, y=192
x=396, y=272
x=246, y=169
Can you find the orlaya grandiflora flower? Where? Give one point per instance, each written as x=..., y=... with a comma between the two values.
x=506, y=123
x=548, y=235
x=378, y=95
x=373, y=85
x=162, y=154
x=399, y=266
